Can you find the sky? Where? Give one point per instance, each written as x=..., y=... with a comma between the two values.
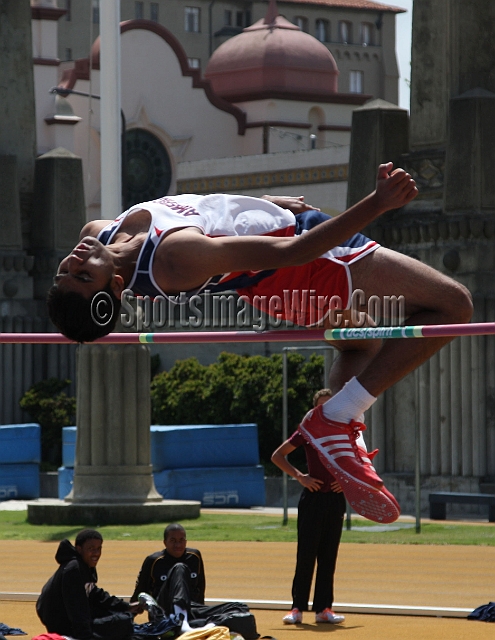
x=403, y=23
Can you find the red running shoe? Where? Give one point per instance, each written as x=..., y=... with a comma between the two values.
x=335, y=443
x=379, y=506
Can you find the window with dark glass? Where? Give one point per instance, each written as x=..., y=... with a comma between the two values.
x=356, y=82
x=345, y=32
x=154, y=11
x=139, y=10
x=191, y=19
x=302, y=23
x=147, y=167
x=322, y=30
x=366, y=34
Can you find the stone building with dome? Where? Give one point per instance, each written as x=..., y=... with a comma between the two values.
x=266, y=116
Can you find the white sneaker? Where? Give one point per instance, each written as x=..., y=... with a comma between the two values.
x=293, y=617
x=327, y=615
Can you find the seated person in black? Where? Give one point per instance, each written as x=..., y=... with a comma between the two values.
x=175, y=578
x=71, y=604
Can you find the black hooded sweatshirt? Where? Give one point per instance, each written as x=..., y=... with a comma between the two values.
x=70, y=600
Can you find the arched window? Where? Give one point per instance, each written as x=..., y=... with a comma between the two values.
x=323, y=30
x=302, y=23
x=148, y=169
x=345, y=32
x=367, y=34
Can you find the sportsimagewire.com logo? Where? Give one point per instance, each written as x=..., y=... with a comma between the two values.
x=229, y=310
x=102, y=308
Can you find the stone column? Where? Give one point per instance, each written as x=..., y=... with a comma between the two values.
x=379, y=134
x=59, y=213
x=113, y=460
x=17, y=114
x=113, y=480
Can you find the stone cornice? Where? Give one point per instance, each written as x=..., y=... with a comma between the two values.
x=438, y=229
x=263, y=179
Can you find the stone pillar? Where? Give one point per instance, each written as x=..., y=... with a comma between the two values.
x=453, y=51
x=59, y=213
x=470, y=158
x=17, y=113
x=113, y=460
x=379, y=134
x=113, y=480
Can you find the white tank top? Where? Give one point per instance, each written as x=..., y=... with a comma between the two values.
x=216, y=215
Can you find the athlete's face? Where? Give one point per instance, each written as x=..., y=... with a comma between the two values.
x=175, y=543
x=87, y=269
x=90, y=552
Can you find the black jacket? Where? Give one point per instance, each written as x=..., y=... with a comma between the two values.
x=156, y=567
x=70, y=600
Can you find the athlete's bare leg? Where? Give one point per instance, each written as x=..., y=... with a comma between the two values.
x=430, y=298
x=353, y=355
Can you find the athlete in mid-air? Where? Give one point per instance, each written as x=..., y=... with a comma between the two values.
x=263, y=248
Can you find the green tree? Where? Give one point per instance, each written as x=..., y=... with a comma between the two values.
x=52, y=409
x=237, y=389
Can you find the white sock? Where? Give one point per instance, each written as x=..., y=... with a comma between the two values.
x=349, y=403
x=185, y=623
x=179, y=611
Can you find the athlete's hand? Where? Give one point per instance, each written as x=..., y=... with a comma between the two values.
x=295, y=204
x=394, y=187
x=310, y=483
x=335, y=487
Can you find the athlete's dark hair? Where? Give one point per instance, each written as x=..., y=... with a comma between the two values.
x=87, y=534
x=74, y=315
x=322, y=393
x=171, y=528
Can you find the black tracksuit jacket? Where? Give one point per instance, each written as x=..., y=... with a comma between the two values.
x=156, y=567
x=70, y=600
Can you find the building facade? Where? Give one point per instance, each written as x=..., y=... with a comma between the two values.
x=360, y=34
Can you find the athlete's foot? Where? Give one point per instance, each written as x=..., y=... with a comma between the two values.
x=335, y=443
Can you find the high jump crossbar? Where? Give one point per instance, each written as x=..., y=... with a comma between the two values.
x=303, y=335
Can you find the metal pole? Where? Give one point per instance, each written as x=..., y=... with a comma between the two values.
x=285, y=429
x=417, y=446
x=111, y=165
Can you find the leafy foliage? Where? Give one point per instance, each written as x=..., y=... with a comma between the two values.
x=52, y=409
x=237, y=389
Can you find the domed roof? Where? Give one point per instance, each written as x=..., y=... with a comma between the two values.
x=272, y=57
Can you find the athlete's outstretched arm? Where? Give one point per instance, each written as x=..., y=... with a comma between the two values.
x=187, y=258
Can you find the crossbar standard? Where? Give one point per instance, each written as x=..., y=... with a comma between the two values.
x=439, y=501
x=289, y=335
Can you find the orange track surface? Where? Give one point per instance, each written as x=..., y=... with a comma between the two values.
x=450, y=576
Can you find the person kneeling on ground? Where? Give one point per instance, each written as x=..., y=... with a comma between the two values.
x=71, y=604
x=175, y=577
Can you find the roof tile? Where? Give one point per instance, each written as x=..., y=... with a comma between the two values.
x=351, y=4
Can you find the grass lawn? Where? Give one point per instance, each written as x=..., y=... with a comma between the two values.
x=262, y=528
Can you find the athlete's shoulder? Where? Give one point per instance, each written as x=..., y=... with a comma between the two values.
x=93, y=228
x=155, y=556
